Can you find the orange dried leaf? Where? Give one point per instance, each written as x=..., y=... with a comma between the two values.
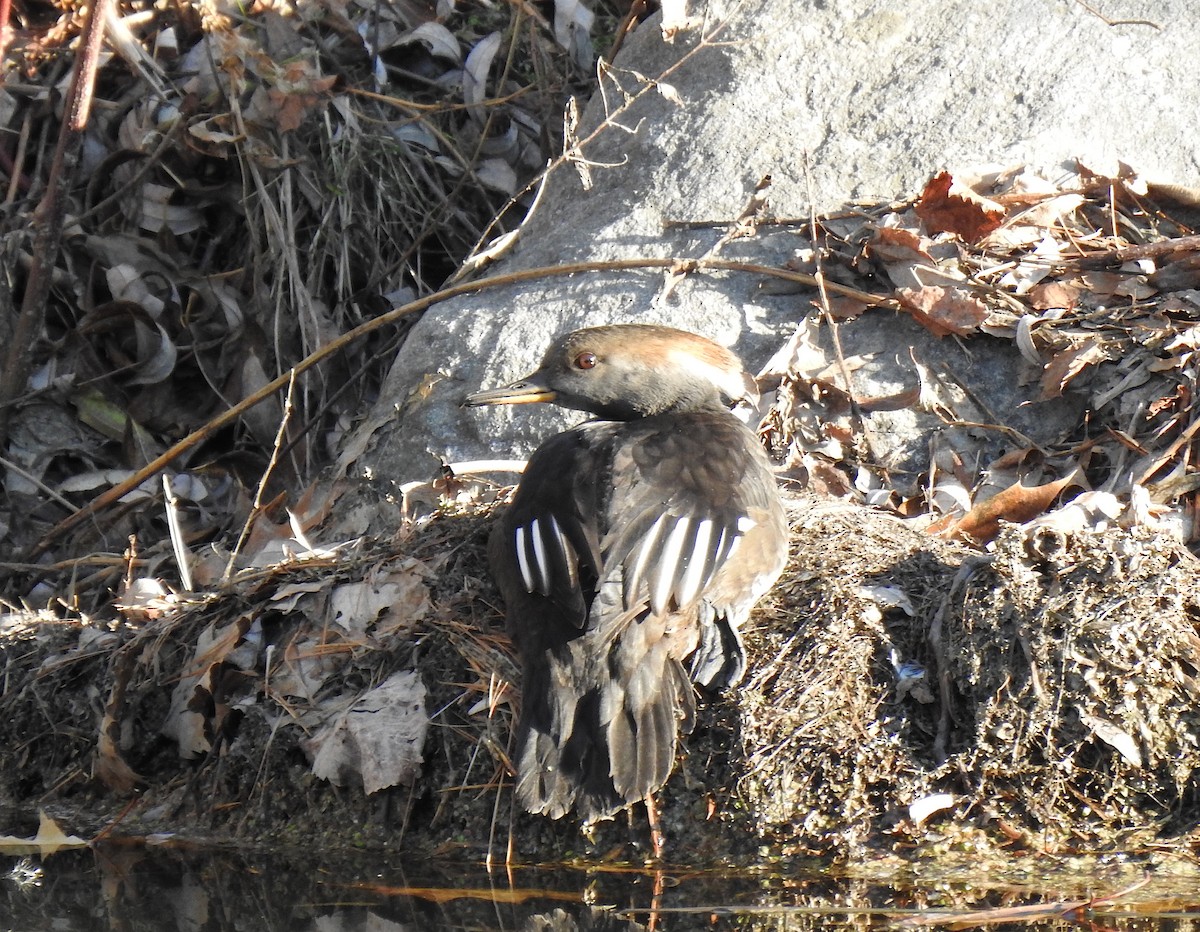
x=945, y=207
x=1016, y=504
x=49, y=839
x=1068, y=364
x=1055, y=294
x=110, y=767
x=944, y=310
x=896, y=244
x=843, y=307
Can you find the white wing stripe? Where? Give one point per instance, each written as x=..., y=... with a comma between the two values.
x=567, y=551
x=728, y=543
x=633, y=580
x=669, y=565
x=523, y=559
x=539, y=554
x=558, y=533
x=693, y=578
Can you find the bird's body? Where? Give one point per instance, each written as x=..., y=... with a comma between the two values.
x=632, y=552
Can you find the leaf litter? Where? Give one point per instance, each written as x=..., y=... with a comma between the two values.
x=1000, y=658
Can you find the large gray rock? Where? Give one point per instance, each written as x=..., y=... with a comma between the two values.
x=835, y=101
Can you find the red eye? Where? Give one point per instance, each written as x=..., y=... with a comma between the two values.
x=585, y=361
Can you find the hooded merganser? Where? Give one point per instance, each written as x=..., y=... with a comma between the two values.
x=632, y=552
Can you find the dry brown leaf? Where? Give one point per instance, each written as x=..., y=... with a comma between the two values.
x=1016, y=504
x=1103, y=284
x=380, y=737
x=945, y=207
x=944, y=310
x=297, y=87
x=401, y=601
x=801, y=357
x=843, y=307
x=1056, y=294
x=198, y=702
x=304, y=668
x=898, y=244
x=1048, y=212
x=110, y=767
x=823, y=477
x=1067, y=365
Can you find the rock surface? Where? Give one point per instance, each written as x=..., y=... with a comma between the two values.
x=835, y=102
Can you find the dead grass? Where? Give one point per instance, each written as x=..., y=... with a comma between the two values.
x=274, y=178
x=1012, y=661
x=908, y=696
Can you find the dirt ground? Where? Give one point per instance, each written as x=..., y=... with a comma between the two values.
x=908, y=698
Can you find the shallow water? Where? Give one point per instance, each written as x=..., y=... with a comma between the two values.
x=171, y=887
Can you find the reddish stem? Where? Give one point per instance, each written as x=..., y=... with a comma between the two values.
x=48, y=218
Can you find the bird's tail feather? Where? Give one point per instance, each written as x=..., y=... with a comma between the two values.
x=598, y=734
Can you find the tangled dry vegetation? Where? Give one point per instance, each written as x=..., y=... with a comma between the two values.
x=965, y=665
x=252, y=183
x=1040, y=698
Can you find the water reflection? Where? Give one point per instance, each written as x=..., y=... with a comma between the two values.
x=135, y=887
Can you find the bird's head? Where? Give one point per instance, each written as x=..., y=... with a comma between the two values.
x=626, y=371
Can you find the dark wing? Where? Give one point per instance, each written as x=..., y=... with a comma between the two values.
x=684, y=500
x=548, y=538
x=645, y=511
x=614, y=561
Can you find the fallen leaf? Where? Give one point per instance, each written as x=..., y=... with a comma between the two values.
x=438, y=39
x=498, y=175
x=1115, y=737
x=198, y=702
x=1064, y=294
x=402, y=600
x=944, y=310
x=1066, y=365
x=380, y=736
x=159, y=213
x=945, y=207
x=287, y=598
x=1050, y=211
x=674, y=19
x=899, y=244
x=1102, y=284
x=573, y=27
x=1016, y=504
x=921, y=809
x=888, y=597
x=843, y=307
x=111, y=769
x=303, y=670
x=475, y=73
x=1088, y=511
x=897, y=401
x=801, y=357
